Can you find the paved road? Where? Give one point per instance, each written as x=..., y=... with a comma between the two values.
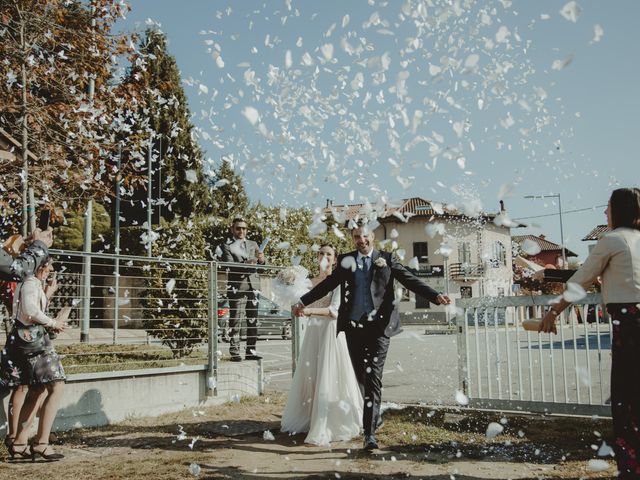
x=419, y=367
x=424, y=368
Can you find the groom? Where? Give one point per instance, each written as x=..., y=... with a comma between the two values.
x=368, y=314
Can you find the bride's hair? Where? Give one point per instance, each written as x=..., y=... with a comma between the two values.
x=335, y=253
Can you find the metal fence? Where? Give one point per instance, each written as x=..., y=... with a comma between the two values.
x=501, y=365
x=135, y=312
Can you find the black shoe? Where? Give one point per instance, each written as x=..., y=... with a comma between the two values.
x=236, y=358
x=51, y=457
x=370, y=442
x=252, y=356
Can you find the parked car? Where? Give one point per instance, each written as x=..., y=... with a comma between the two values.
x=486, y=316
x=272, y=320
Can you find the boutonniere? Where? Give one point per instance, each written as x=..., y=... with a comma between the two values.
x=380, y=262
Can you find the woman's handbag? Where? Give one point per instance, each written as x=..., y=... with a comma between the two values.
x=29, y=339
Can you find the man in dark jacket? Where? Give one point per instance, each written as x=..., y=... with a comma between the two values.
x=368, y=314
x=243, y=284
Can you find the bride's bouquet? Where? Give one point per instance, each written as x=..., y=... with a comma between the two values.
x=290, y=284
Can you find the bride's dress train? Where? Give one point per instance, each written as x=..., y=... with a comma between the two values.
x=324, y=399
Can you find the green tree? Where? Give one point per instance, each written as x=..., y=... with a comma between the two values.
x=176, y=297
x=70, y=234
x=163, y=121
x=228, y=195
x=228, y=200
x=52, y=53
x=290, y=240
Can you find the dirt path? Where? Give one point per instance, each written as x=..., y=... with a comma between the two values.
x=230, y=444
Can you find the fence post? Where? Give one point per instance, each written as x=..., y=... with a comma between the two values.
x=212, y=332
x=86, y=272
x=463, y=375
x=260, y=378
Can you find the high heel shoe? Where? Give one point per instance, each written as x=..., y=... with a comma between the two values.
x=24, y=452
x=52, y=457
x=8, y=441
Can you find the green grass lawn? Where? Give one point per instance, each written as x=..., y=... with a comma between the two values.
x=86, y=358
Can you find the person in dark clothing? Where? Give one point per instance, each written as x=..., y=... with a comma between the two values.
x=26, y=263
x=368, y=314
x=243, y=284
x=616, y=259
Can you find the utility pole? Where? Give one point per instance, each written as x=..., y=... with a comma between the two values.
x=88, y=217
x=149, y=195
x=557, y=195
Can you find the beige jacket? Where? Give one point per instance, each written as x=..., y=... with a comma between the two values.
x=30, y=302
x=616, y=258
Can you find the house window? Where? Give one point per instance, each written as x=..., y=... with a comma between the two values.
x=466, y=292
x=464, y=252
x=499, y=255
x=500, y=291
x=421, y=251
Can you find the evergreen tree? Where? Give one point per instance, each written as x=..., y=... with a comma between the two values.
x=228, y=199
x=290, y=241
x=228, y=195
x=177, y=182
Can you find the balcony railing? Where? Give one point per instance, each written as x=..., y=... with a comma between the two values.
x=466, y=270
x=426, y=270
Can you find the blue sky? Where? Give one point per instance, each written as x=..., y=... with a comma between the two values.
x=458, y=105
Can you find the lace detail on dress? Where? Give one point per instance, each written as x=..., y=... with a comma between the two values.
x=324, y=302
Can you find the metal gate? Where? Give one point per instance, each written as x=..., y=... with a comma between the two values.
x=503, y=366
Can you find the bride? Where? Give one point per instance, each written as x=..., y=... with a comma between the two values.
x=324, y=399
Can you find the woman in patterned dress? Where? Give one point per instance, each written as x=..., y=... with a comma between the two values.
x=41, y=370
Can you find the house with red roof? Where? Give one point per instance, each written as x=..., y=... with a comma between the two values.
x=550, y=253
x=454, y=252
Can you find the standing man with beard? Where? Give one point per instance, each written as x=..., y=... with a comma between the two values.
x=243, y=284
x=368, y=314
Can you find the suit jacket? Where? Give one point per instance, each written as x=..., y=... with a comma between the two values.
x=239, y=275
x=386, y=319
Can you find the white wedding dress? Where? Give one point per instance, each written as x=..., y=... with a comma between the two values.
x=324, y=399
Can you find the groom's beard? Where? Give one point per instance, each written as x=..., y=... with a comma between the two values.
x=364, y=249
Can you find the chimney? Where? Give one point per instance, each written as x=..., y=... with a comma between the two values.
x=542, y=236
x=329, y=203
x=502, y=209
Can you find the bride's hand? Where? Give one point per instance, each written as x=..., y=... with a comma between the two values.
x=298, y=309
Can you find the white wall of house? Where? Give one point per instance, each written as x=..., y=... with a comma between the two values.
x=472, y=245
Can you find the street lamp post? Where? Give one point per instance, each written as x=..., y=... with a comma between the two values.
x=557, y=195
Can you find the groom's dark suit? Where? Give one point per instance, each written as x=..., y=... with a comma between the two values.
x=377, y=316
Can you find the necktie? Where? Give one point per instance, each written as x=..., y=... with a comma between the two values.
x=365, y=264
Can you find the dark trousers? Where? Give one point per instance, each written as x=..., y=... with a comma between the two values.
x=243, y=303
x=625, y=389
x=368, y=352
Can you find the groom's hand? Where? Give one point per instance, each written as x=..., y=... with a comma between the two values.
x=443, y=300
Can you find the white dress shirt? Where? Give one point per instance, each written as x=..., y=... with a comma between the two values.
x=360, y=259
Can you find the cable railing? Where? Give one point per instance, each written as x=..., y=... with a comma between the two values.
x=132, y=312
